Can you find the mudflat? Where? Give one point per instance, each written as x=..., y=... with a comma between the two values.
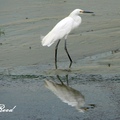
x=25, y=64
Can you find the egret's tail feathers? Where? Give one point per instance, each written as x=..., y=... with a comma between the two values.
x=48, y=40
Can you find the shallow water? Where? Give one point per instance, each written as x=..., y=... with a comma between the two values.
x=34, y=101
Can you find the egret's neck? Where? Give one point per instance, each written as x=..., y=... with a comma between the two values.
x=75, y=17
x=77, y=20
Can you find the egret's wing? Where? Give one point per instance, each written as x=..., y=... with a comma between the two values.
x=61, y=30
x=64, y=27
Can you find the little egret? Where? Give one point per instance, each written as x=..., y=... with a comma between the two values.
x=62, y=30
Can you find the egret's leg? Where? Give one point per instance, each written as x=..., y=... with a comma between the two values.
x=68, y=55
x=56, y=54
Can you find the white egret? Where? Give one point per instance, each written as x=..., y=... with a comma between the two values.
x=62, y=30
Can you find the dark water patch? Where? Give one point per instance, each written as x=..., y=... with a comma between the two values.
x=29, y=94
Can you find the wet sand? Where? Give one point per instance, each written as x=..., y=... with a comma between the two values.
x=23, y=22
x=25, y=64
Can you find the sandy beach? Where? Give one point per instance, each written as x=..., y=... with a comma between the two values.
x=25, y=64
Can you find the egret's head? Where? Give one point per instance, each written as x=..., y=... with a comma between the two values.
x=79, y=11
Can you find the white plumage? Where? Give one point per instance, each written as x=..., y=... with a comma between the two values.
x=62, y=28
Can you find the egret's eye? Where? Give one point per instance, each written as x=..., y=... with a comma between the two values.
x=81, y=11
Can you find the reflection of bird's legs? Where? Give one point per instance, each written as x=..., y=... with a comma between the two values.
x=67, y=80
x=56, y=54
x=68, y=55
x=60, y=79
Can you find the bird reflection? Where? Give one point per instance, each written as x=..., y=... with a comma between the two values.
x=68, y=94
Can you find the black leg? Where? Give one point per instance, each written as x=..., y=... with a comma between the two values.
x=56, y=54
x=68, y=55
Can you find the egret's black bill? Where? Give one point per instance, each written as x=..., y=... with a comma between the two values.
x=87, y=12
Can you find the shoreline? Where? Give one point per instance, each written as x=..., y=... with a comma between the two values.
x=104, y=63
